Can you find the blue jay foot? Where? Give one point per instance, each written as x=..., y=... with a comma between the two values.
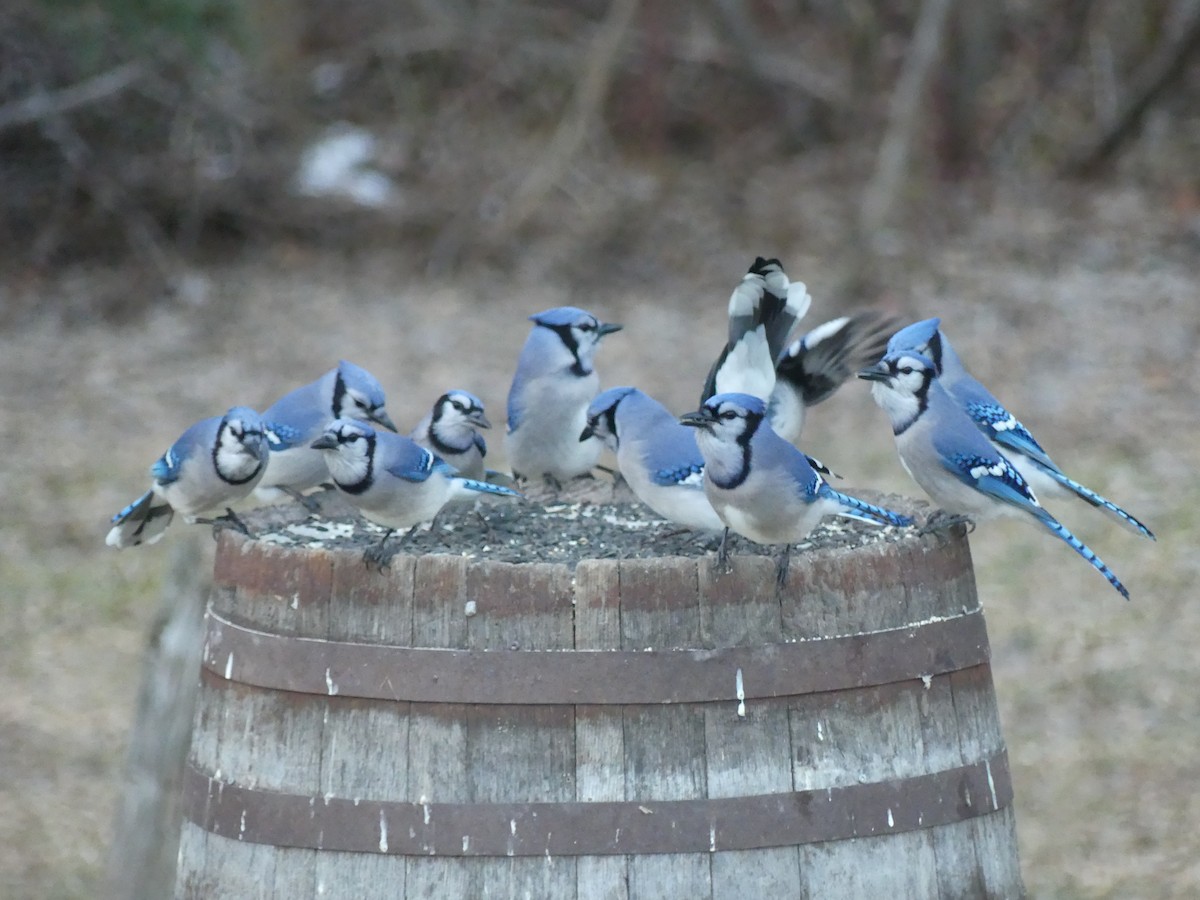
x=310, y=504
x=229, y=520
x=940, y=520
x=380, y=555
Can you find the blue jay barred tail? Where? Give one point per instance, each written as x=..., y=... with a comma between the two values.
x=143, y=521
x=484, y=487
x=946, y=453
x=1125, y=518
x=1061, y=531
x=865, y=512
x=763, y=310
x=1000, y=426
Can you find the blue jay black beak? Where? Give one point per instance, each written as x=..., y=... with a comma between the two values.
x=877, y=372
x=701, y=418
x=381, y=416
x=608, y=328
x=478, y=419
x=587, y=432
x=324, y=442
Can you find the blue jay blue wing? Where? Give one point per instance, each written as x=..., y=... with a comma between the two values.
x=413, y=462
x=684, y=475
x=672, y=457
x=995, y=476
x=167, y=467
x=869, y=511
x=283, y=437
x=480, y=444
x=1002, y=427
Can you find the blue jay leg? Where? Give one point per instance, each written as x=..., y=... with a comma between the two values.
x=782, y=566
x=229, y=520
x=940, y=520
x=311, y=504
x=723, y=554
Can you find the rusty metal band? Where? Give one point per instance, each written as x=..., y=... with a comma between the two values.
x=597, y=828
x=242, y=654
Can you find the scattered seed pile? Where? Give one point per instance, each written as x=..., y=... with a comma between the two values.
x=594, y=521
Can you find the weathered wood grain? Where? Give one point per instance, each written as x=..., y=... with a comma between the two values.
x=599, y=730
x=427, y=753
x=748, y=746
x=664, y=745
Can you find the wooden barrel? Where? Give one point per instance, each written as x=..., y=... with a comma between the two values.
x=635, y=728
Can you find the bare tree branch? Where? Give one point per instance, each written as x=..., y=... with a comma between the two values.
x=590, y=91
x=42, y=104
x=904, y=116
x=1164, y=65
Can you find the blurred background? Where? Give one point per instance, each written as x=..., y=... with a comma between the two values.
x=209, y=202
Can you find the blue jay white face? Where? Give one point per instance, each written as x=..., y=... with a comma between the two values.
x=579, y=331
x=357, y=395
x=729, y=418
x=458, y=408
x=725, y=425
x=240, y=450
x=901, y=386
x=602, y=418
x=349, y=452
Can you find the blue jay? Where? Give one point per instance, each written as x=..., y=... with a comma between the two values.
x=759, y=360
x=547, y=403
x=1001, y=427
x=656, y=455
x=392, y=480
x=295, y=420
x=451, y=430
x=760, y=485
x=947, y=455
x=216, y=462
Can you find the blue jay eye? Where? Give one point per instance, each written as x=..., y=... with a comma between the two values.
x=906, y=370
x=729, y=414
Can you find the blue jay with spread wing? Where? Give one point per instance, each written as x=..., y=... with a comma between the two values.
x=950, y=458
x=391, y=479
x=761, y=358
x=548, y=400
x=216, y=462
x=656, y=455
x=761, y=486
x=1001, y=427
x=295, y=420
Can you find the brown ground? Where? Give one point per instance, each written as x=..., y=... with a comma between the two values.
x=1080, y=311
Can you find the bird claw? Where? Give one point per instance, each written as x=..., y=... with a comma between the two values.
x=941, y=520
x=230, y=520
x=378, y=555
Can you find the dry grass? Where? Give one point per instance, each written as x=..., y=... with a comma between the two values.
x=1081, y=314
